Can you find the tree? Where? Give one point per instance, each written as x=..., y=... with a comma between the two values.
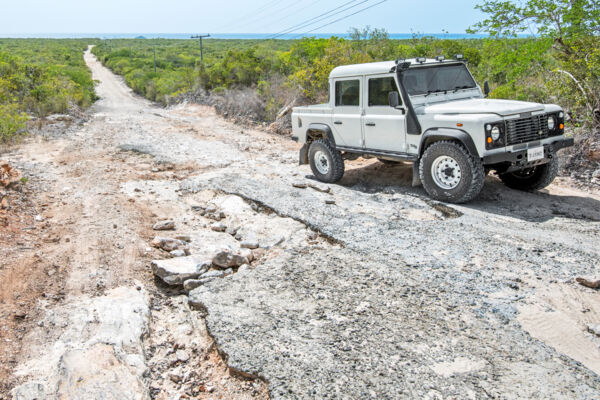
x=573, y=26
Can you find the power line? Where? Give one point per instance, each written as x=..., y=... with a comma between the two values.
x=319, y=18
x=266, y=13
x=295, y=12
x=343, y=18
x=253, y=13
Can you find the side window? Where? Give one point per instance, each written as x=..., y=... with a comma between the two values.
x=379, y=89
x=347, y=93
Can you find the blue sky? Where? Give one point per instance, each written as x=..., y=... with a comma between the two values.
x=229, y=16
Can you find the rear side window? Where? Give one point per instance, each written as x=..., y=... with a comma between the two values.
x=379, y=89
x=347, y=93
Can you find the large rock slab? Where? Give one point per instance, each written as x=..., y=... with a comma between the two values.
x=175, y=271
x=386, y=309
x=99, y=354
x=98, y=372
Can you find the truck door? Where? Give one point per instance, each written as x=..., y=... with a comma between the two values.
x=347, y=112
x=384, y=126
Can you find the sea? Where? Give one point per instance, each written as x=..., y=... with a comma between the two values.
x=230, y=35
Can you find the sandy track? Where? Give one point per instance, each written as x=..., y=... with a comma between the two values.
x=384, y=294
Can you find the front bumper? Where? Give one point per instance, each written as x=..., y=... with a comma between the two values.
x=518, y=159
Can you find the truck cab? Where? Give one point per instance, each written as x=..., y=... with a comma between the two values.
x=430, y=112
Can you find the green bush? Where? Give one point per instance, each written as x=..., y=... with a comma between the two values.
x=40, y=77
x=12, y=122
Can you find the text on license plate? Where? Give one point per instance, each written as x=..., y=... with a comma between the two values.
x=537, y=153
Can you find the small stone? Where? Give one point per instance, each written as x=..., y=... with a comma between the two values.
x=182, y=355
x=300, y=185
x=249, y=244
x=175, y=377
x=246, y=253
x=218, y=227
x=167, y=244
x=233, y=230
x=329, y=201
x=177, y=253
x=175, y=271
x=319, y=187
x=227, y=259
x=211, y=208
x=39, y=218
x=589, y=283
x=192, y=284
x=166, y=225
x=594, y=329
x=213, y=274
x=184, y=238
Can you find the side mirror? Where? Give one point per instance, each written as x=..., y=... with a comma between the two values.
x=394, y=99
x=486, y=88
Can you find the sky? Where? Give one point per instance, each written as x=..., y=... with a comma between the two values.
x=231, y=16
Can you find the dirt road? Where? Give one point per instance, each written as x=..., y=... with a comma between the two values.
x=366, y=289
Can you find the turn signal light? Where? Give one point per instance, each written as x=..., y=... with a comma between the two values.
x=489, y=140
x=459, y=124
x=561, y=126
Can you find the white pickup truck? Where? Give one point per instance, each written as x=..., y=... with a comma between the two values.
x=430, y=112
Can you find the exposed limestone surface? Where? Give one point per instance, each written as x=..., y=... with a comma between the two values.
x=99, y=355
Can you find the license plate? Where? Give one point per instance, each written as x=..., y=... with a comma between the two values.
x=537, y=153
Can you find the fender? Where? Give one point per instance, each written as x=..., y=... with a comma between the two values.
x=325, y=130
x=436, y=134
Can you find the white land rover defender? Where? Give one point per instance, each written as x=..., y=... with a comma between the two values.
x=430, y=112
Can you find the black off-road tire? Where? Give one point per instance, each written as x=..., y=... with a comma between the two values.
x=535, y=178
x=334, y=160
x=471, y=171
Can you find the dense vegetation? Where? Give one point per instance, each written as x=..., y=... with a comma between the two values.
x=40, y=77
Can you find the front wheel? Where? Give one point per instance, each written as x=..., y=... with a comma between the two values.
x=534, y=178
x=450, y=173
x=325, y=161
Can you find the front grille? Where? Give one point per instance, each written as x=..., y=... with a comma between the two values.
x=528, y=129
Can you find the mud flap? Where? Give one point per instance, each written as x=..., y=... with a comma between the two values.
x=416, y=179
x=303, y=159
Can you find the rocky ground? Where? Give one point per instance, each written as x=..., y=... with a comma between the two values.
x=169, y=254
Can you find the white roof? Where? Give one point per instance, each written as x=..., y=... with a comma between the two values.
x=383, y=67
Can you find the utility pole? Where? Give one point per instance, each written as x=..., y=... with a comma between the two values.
x=201, y=49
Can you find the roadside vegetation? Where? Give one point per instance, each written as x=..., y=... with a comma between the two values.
x=263, y=79
x=39, y=77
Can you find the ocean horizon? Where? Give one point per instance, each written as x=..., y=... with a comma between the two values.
x=247, y=36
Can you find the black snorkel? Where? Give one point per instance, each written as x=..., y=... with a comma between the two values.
x=413, y=127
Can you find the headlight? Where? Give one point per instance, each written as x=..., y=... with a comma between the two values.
x=495, y=133
x=551, y=123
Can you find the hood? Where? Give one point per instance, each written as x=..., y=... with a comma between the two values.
x=482, y=106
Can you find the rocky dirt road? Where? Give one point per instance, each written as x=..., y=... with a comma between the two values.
x=292, y=289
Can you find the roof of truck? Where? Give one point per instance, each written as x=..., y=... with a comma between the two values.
x=383, y=67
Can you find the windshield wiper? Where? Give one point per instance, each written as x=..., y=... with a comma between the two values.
x=457, y=88
x=434, y=91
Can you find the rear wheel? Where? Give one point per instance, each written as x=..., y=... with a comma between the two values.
x=450, y=173
x=326, y=162
x=534, y=178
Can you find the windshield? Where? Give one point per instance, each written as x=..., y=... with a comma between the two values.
x=442, y=78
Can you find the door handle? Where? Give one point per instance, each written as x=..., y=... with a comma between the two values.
x=370, y=124
x=338, y=122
